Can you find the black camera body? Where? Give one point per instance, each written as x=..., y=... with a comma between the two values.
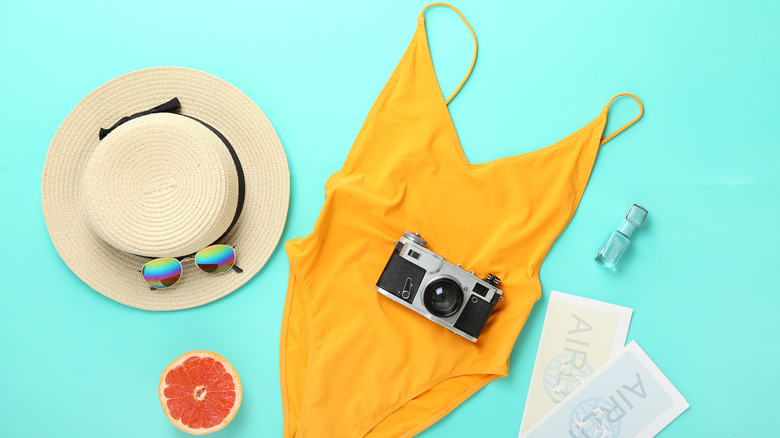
x=445, y=293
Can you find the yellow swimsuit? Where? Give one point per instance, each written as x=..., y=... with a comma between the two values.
x=354, y=363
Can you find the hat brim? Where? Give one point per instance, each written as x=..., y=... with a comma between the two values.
x=115, y=273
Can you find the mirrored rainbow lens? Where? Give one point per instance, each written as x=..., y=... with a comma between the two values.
x=216, y=259
x=162, y=273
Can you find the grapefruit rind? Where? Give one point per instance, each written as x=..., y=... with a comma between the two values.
x=228, y=369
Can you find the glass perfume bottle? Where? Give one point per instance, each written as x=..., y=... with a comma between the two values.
x=618, y=240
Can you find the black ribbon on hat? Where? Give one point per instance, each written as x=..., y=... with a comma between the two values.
x=169, y=107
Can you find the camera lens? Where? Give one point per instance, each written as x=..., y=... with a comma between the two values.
x=443, y=297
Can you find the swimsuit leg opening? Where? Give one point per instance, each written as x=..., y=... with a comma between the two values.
x=433, y=401
x=294, y=355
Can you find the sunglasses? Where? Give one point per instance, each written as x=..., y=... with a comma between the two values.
x=165, y=272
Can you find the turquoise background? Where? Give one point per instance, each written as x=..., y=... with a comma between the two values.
x=701, y=276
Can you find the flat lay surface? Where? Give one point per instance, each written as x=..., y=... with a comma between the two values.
x=703, y=160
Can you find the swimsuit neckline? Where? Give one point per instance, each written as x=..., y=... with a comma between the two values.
x=457, y=145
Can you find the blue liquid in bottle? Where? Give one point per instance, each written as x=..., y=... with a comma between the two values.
x=617, y=241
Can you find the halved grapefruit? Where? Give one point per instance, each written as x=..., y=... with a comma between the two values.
x=200, y=392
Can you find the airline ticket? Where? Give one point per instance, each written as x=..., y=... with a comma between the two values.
x=579, y=335
x=628, y=397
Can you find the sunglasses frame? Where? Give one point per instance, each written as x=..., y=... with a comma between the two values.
x=233, y=267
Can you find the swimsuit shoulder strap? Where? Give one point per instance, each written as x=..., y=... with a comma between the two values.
x=421, y=20
x=606, y=109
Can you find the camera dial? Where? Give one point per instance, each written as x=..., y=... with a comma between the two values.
x=414, y=237
x=492, y=279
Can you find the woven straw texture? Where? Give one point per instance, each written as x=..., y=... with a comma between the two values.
x=163, y=185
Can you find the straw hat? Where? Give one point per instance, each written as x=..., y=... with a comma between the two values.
x=157, y=163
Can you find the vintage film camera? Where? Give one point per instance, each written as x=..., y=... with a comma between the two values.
x=442, y=292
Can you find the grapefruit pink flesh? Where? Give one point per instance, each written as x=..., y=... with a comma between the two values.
x=200, y=392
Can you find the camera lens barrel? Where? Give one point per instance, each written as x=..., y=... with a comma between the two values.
x=443, y=297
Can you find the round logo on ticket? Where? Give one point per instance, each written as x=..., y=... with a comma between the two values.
x=564, y=374
x=595, y=418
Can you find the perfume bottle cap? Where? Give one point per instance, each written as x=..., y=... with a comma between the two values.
x=635, y=217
